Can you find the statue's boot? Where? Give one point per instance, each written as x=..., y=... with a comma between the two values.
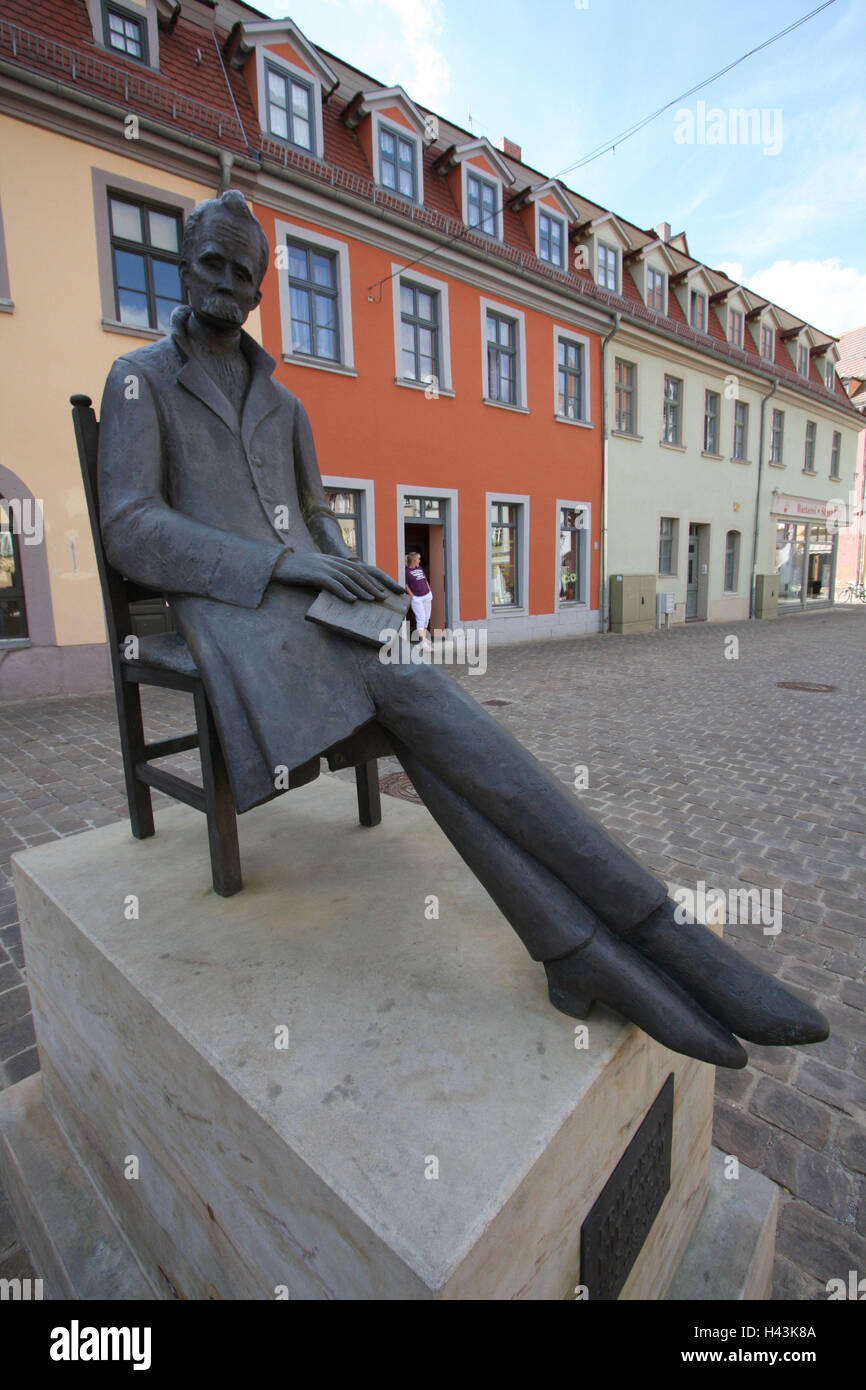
x=545, y=913
x=740, y=995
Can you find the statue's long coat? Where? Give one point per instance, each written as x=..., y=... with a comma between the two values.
x=176, y=469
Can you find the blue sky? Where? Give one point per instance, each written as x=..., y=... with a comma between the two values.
x=562, y=76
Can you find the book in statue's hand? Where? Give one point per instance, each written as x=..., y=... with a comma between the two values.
x=372, y=622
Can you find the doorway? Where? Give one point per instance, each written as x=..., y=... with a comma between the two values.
x=697, y=573
x=425, y=529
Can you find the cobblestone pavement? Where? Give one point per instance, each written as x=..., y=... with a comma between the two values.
x=708, y=770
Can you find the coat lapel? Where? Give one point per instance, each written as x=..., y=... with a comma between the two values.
x=262, y=396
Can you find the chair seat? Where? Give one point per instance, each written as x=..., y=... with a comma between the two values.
x=166, y=650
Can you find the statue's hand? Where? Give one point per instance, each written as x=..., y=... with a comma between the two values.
x=348, y=579
x=380, y=575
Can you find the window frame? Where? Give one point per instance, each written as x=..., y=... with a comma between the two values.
x=630, y=390
x=567, y=335
x=419, y=278
x=120, y=11
x=736, y=327
x=365, y=488
x=669, y=405
x=674, y=541
x=714, y=418
x=731, y=552
x=744, y=426
x=661, y=278
x=522, y=501
x=776, y=455
x=504, y=311
x=289, y=79
x=433, y=325
x=830, y=375
x=284, y=232
x=803, y=360
x=544, y=210
x=836, y=456
x=473, y=171
x=148, y=252
x=810, y=445
x=613, y=251
x=400, y=132
x=697, y=298
x=267, y=58
x=103, y=183
x=768, y=331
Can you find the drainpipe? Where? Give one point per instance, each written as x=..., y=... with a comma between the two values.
x=605, y=432
x=753, y=586
x=227, y=160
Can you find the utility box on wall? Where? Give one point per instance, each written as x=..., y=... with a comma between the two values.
x=766, y=596
x=632, y=603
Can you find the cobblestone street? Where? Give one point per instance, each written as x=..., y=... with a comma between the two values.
x=708, y=770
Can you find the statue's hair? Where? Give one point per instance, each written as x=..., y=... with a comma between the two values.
x=230, y=204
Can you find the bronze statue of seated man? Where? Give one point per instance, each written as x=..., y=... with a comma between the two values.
x=210, y=492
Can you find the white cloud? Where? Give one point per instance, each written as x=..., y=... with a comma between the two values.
x=427, y=78
x=827, y=294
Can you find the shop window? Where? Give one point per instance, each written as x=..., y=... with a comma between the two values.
x=347, y=507
x=572, y=554
x=505, y=559
x=13, y=609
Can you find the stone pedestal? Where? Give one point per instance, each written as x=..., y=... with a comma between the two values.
x=319, y=1088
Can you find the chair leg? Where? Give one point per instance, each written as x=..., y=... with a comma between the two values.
x=222, y=824
x=132, y=748
x=369, y=799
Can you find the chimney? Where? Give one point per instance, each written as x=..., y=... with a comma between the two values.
x=663, y=231
x=513, y=151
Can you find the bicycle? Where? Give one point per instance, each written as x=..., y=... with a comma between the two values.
x=852, y=591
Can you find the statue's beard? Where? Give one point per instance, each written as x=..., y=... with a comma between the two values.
x=221, y=308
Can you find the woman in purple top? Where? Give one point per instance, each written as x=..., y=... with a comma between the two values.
x=421, y=595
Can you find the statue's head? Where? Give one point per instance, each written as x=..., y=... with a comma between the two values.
x=223, y=259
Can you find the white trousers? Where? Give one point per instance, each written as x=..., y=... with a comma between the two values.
x=421, y=605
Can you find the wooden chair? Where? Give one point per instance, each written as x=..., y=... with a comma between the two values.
x=164, y=659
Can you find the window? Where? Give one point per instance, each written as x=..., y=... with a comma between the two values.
x=655, y=289
x=626, y=414
x=698, y=311
x=422, y=508
x=145, y=255
x=504, y=558
x=419, y=332
x=735, y=327
x=313, y=298
x=741, y=429
x=829, y=375
x=767, y=344
x=124, y=33
x=551, y=242
x=570, y=390
x=397, y=163
x=732, y=561
x=809, y=451
x=501, y=359
x=668, y=545
x=776, y=436
x=346, y=506
x=482, y=198
x=712, y=400
x=803, y=360
x=572, y=542
x=835, y=454
x=289, y=108
x=672, y=416
x=13, y=613
x=607, y=267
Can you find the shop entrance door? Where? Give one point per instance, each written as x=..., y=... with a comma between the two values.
x=425, y=529
x=692, y=574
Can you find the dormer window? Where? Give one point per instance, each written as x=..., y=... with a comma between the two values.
x=655, y=289
x=289, y=104
x=698, y=311
x=829, y=375
x=768, y=343
x=397, y=162
x=803, y=360
x=551, y=239
x=482, y=205
x=607, y=262
x=125, y=33
x=735, y=327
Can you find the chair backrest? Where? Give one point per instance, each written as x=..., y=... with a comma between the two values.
x=117, y=593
